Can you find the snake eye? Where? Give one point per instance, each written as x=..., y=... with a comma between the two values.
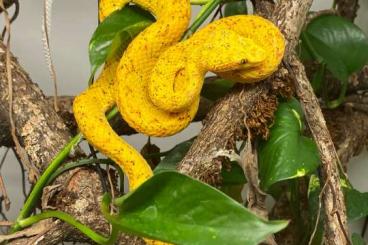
x=243, y=61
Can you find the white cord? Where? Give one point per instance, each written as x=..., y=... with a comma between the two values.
x=46, y=29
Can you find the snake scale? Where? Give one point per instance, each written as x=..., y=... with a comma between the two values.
x=156, y=83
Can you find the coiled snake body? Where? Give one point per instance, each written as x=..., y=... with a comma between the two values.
x=157, y=82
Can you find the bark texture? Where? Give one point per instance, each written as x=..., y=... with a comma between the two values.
x=333, y=199
x=42, y=134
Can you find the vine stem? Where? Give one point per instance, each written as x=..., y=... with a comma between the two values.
x=199, y=2
x=44, y=179
x=96, y=237
x=201, y=17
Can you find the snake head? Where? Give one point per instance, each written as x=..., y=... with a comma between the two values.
x=225, y=50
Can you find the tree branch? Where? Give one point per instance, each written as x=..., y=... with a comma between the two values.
x=42, y=133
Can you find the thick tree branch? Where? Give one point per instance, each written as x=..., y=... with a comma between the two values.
x=333, y=198
x=42, y=134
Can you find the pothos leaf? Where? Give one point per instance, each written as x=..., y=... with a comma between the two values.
x=287, y=154
x=357, y=239
x=236, y=8
x=174, y=156
x=356, y=203
x=176, y=208
x=216, y=89
x=115, y=33
x=342, y=39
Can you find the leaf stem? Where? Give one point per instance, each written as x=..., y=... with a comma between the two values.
x=199, y=2
x=72, y=221
x=201, y=17
x=44, y=179
x=85, y=162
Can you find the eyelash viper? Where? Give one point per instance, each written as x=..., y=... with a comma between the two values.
x=157, y=82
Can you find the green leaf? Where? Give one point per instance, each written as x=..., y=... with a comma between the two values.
x=235, y=8
x=232, y=181
x=357, y=239
x=314, y=190
x=356, y=204
x=115, y=33
x=233, y=176
x=216, y=89
x=176, y=208
x=337, y=40
x=174, y=156
x=318, y=79
x=287, y=154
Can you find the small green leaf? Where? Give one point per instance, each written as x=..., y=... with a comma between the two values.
x=357, y=239
x=234, y=176
x=174, y=156
x=318, y=78
x=337, y=40
x=356, y=204
x=115, y=33
x=236, y=8
x=287, y=154
x=175, y=208
x=216, y=89
x=233, y=181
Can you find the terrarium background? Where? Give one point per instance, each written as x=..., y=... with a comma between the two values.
x=73, y=23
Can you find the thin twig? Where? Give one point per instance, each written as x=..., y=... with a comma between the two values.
x=6, y=223
x=13, y=18
x=4, y=158
x=318, y=214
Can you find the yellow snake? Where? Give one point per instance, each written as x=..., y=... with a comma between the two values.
x=157, y=82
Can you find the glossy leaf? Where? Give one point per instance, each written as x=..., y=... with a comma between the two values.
x=233, y=176
x=318, y=79
x=232, y=181
x=216, y=89
x=357, y=239
x=115, y=33
x=287, y=154
x=174, y=156
x=356, y=204
x=235, y=8
x=176, y=208
x=339, y=43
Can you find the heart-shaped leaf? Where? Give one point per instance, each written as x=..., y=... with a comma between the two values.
x=175, y=208
x=115, y=33
x=287, y=154
x=235, y=8
x=216, y=89
x=174, y=156
x=356, y=203
x=334, y=39
x=357, y=239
